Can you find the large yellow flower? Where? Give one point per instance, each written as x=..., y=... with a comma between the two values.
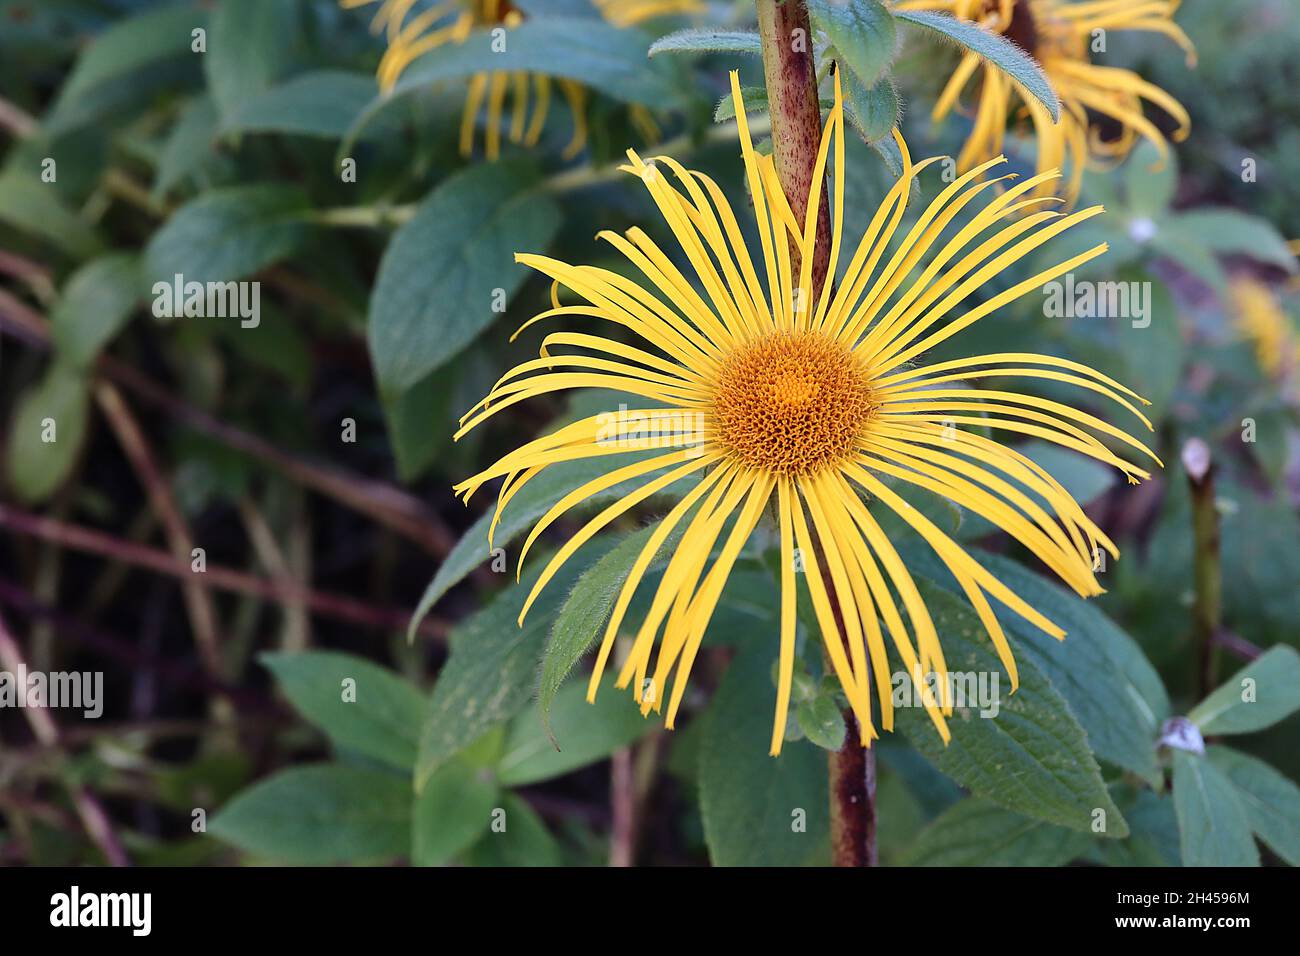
x=775, y=391
x=413, y=31
x=1060, y=36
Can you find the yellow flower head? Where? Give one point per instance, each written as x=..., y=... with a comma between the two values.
x=1060, y=35
x=1262, y=322
x=413, y=30
x=772, y=391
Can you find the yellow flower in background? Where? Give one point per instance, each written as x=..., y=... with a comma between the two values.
x=1263, y=323
x=413, y=29
x=773, y=393
x=1060, y=36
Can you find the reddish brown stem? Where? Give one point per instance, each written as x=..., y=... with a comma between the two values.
x=791, y=77
x=225, y=579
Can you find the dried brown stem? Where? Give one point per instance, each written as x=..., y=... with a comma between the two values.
x=226, y=579
x=382, y=502
x=198, y=602
x=89, y=809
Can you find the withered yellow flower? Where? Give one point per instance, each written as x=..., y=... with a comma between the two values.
x=1060, y=36
x=413, y=31
x=811, y=399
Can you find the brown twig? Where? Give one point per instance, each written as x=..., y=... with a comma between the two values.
x=225, y=579
x=89, y=809
x=382, y=502
x=198, y=602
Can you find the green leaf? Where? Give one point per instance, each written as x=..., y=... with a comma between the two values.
x=320, y=814
x=587, y=609
x=1031, y=757
x=1193, y=256
x=492, y=670
x=378, y=714
x=998, y=50
x=974, y=832
x=188, y=146
x=821, y=721
x=56, y=408
x=534, y=500
x=889, y=152
x=96, y=303
x=247, y=42
x=33, y=206
x=1150, y=181
x=1259, y=695
x=708, y=41
x=130, y=46
x=583, y=734
x=593, y=52
x=1105, y=678
x=452, y=811
x=755, y=98
x=1271, y=801
x=874, y=111
x=524, y=842
x=862, y=32
x=228, y=234
x=440, y=275
x=758, y=810
x=1153, y=831
x=1229, y=232
x=323, y=103
x=1212, y=825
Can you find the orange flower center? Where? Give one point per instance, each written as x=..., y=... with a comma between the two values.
x=791, y=403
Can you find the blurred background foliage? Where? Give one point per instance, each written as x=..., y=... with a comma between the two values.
x=310, y=459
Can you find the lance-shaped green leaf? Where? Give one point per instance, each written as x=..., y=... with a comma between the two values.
x=862, y=32
x=1110, y=686
x=1271, y=801
x=587, y=609
x=452, y=811
x=708, y=41
x=322, y=103
x=523, y=841
x=532, y=501
x=361, y=706
x=46, y=434
x=991, y=47
x=1229, y=232
x=133, y=47
x=491, y=674
x=873, y=111
x=1024, y=751
x=1259, y=695
x=96, y=302
x=759, y=810
x=320, y=814
x=974, y=832
x=443, y=273
x=1212, y=826
x=227, y=234
x=248, y=43
x=580, y=733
